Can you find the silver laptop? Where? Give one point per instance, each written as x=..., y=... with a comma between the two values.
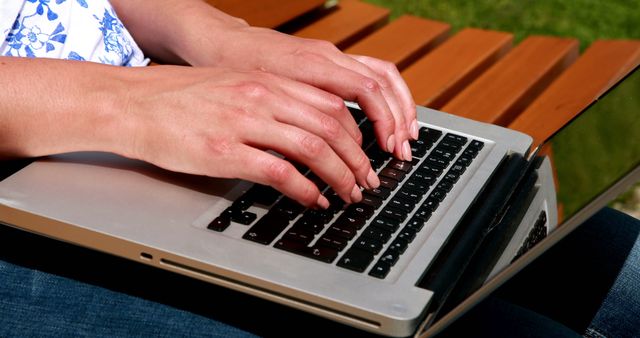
x=407, y=260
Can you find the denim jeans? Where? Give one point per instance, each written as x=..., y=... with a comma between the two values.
x=589, y=284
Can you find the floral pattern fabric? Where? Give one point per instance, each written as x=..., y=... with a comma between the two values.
x=71, y=29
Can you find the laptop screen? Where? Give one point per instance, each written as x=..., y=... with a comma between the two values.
x=597, y=148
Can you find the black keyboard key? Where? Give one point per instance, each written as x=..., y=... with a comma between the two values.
x=385, y=223
x=348, y=232
x=245, y=218
x=356, y=259
x=262, y=194
x=437, y=162
x=289, y=208
x=453, y=146
x=445, y=186
x=438, y=194
x=390, y=257
x=336, y=242
x=418, y=147
x=393, y=213
x=417, y=185
x=368, y=244
x=423, y=213
x=410, y=194
x=430, y=203
x=358, y=115
x=388, y=183
x=371, y=201
x=416, y=223
x=318, y=252
x=457, y=169
x=407, y=234
x=402, y=204
x=461, y=140
x=377, y=156
x=398, y=245
x=380, y=270
x=243, y=203
x=429, y=135
x=451, y=177
x=219, y=224
x=299, y=235
x=349, y=221
x=477, y=145
x=368, y=134
x=403, y=166
x=393, y=174
x=469, y=152
x=322, y=253
x=379, y=192
x=377, y=234
x=309, y=225
x=426, y=167
x=321, y=216
x=426, y=177
x=443, y=154
x=317, y=181
x=267, y=228
x=359, y=210
x=464, y=160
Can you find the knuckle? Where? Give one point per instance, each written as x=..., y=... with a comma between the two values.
x=254, y=90
x=218, y=146
x=331, y=127
x=278, y=172
x=312, y=146
x=346, y=181
x=324, y=45
x=336, y=105
x=370, y=85
x=309, y=194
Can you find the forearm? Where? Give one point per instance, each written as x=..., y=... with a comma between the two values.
x=53, y=106
x=176, y=31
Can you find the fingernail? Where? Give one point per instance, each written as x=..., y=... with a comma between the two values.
x=414, y=129
x=356, y=195
x=323, y=202
x=391, y=142
x=406, y=151
x=373, y=180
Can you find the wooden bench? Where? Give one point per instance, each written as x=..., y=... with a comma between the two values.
x=535, y=86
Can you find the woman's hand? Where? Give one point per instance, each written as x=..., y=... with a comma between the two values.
x=191, y=31
x=218, y=122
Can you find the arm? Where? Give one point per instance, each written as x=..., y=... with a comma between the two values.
x=206, y=121
x=191, y=31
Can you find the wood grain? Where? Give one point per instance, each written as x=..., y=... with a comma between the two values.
x=506, y=89
x=347, y=23
x=443, y=73
x=402, y=41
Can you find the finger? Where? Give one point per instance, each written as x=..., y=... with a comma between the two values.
x=353, y=86
x=379, y=73
x=324, y=102
x=305, y=117
x=399, y=86
x=311, y=150
x=261, y=167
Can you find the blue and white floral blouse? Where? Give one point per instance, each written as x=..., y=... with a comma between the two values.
x=67, y=29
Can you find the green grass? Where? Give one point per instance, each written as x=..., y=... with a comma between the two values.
x=586, y=20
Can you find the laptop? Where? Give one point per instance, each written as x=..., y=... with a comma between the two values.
x=477, y=204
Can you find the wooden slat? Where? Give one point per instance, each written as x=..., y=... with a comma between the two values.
x=600, y=67
x=348, y=22
x=506, y=89
x=441, y=74
x=266, y=13
x=402, y=41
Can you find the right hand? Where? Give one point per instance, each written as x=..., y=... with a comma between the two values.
x=219, y=122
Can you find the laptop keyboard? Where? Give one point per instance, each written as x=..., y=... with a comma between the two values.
x=374, y=232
